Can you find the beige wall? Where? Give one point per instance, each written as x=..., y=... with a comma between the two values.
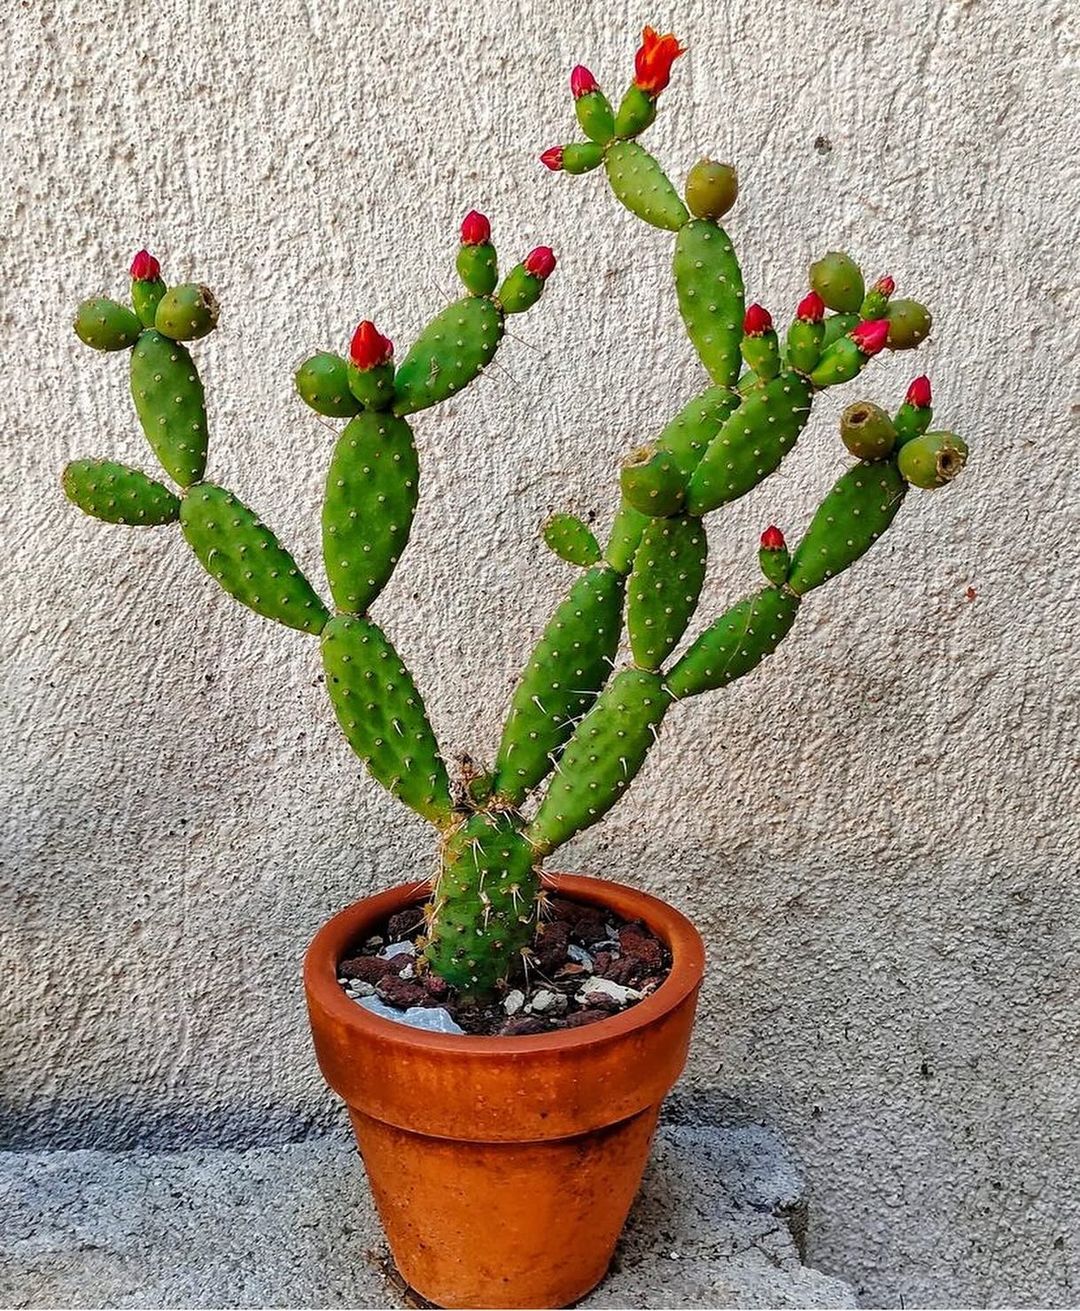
x=875, y=831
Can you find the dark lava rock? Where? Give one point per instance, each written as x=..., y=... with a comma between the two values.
x=402, y=992
x=368, y=969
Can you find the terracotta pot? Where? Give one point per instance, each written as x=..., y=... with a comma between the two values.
x=503, y=1168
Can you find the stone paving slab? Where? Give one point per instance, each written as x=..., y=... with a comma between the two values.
x=294, y=1226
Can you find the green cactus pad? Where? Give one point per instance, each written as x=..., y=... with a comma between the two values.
x=933, y=459
x=186, y=312
x=837, y=326
x=688, y=435
x=838, y=280
x=249, y=562
x=643, y=187
x=625, y=535
x=169, y=401
x=909, y=324
x=567, y=668
x=371, y=491
x=323, y=383
x=751, y=443
x=867, y=431
x=847, y=523
x=106, y=325
x=483, y=911
x=652, y=482
x=662, y=595
x=736, y=643
x=451, y=351
x=602, y=758
x=382, y=716
x=478, y=268
x=119, y=494
x=840, y=362
x=582, y=157
x=709, y=285
x=571, y=540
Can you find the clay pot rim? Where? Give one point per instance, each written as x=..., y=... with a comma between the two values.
x=340, y=933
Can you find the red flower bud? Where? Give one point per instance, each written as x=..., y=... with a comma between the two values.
x=918, y=394
x=145, y=268
x=540, y=262
x=369, y=347
x=652, y=63
x=811, y=309
x=772, y=539
x=552, y=158
x=582, y=82
x=870, y=336
x=886, y=285
x=757, y=322
x=475, y=229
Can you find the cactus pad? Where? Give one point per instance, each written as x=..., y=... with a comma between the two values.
x=451, y=351
x=382, y=715
x=249, y=562
x=568, y=667
x=169, y=401
x=602, y=758
x=186, y=312
x=662, y=595
x=119, y=494
x=323, y=383
x=371, y=492
x=643, y=186
x=571, y=540
x=687, y=437
x=751, y=443
x=106, y=325
x=736, y=643
x=709, y=285
x=848, y=522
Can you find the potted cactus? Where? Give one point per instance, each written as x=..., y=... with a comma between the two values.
x=543, y=1115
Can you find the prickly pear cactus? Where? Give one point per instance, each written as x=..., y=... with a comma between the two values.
x=579, y=729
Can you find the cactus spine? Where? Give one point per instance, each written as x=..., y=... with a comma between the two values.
x=577, y=734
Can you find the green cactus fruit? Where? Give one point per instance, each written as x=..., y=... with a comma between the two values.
x=602, y=758
x=373, y=388
x=804, y=345
x=323, y=384
x=909, y=324
x=652, y=482
x=933, y=459
x=567, y=668
x=876, y=301
x=711, y=189
x=736, y=643
x=837, y=280
x=625, y=537
x=382, y=716
x=371, y=492
x=867, y=431
x=451, y=351
x=840, y=362
x=186, y=312
x=249, y=562
x=169, y=401
x=762, y=354
x=774, y=557
x=838, y=326
x=709, y=286
x=478, y=268
x=686, y=438
x=751, y=443
x=643, y=187
x=571, y=540
x=637, y=111
x=847, y=523
x=119, y=494
x=483, y=909
x=106, y=325
x=582, y=157
x=662, y=595
x=912, y=421
x=146, y=294
x=596, y=117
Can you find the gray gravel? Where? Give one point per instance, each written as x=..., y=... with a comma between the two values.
x=294, y=1226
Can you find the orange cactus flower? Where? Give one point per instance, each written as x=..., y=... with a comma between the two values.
x=652, y=63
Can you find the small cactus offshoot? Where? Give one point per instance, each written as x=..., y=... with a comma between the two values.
x=578, y=728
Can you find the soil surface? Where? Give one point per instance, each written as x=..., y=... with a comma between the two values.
x=588, y=964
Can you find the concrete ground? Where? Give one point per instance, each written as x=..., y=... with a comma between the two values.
x=718, y=1224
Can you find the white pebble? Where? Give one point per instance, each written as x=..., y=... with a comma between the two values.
x=513, y=1001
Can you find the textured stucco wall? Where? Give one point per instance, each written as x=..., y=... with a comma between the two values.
x=877, y=832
